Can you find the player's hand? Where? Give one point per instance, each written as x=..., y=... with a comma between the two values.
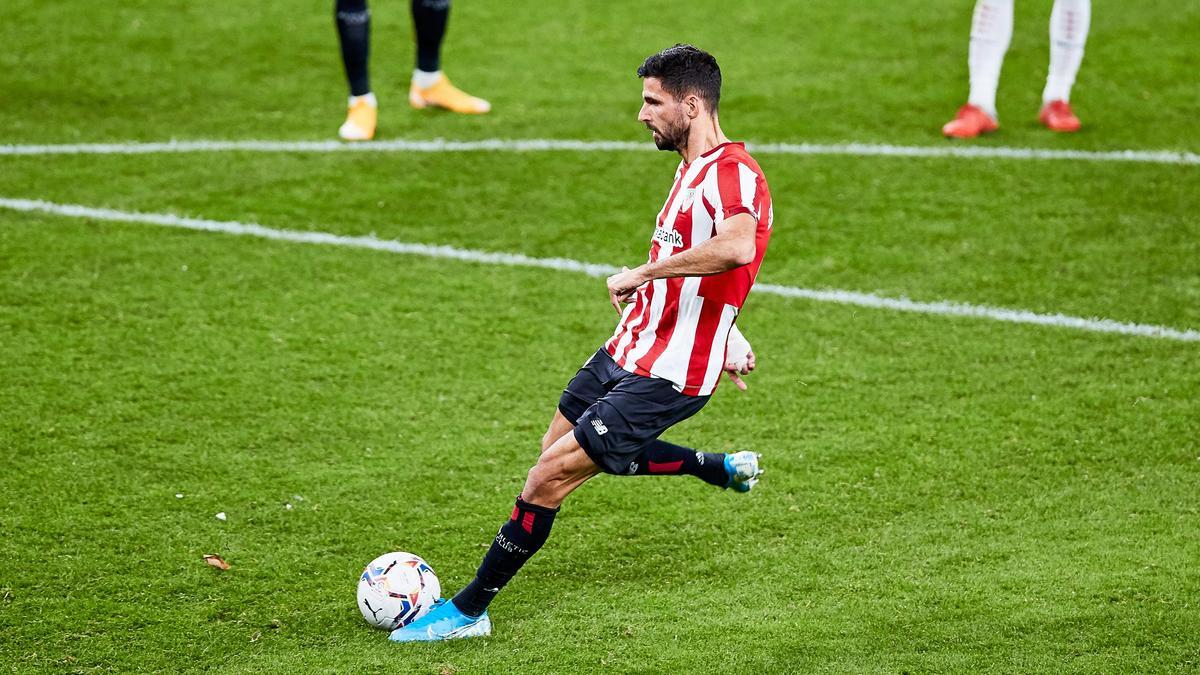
x=738, y=368
x=622, y=285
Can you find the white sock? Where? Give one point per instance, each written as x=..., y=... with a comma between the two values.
x=425, y=80
x=991, y=31
x=369, y=97
x=1069, y=22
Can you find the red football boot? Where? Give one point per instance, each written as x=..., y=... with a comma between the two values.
x=970, y=122
x=1057, y=116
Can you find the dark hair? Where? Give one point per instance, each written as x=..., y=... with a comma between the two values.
x=684, y=69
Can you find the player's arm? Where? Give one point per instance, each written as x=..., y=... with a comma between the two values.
x=731, y=247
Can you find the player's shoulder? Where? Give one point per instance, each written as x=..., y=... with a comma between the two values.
x=736, y=153
x=735, y=159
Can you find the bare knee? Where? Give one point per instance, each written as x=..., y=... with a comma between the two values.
x=560, y=469
x=544, y=485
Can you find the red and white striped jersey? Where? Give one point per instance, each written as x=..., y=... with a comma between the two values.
x=677, y=329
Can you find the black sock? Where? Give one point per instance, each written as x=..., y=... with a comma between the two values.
x=515, y=543
x=429, y=20
x=354, y=33
x=661, y=458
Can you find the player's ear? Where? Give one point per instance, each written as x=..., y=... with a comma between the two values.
x=692, y=105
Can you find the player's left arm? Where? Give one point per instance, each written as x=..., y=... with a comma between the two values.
x=739, y=357
x=731, y=247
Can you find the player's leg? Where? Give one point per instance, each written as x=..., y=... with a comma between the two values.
x=429, y=86
x=738, y=470
x=991, y=33
x=1069, y=23
x=592, y=381
x=429, y=23
x=559, y=470
x=353, y=21
x=559, y=426
x=562, y=467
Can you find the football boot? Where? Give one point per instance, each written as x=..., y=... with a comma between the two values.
x=444, y=622
x=971, y=121
x=1057, y=116
x=743, y=470
x=445, y=95
x=360, y=119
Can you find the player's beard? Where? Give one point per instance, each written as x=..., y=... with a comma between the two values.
x=671, y=137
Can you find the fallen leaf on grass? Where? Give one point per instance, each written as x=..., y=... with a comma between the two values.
x=216, y=561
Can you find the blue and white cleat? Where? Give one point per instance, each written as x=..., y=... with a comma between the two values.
x=743, y=470
x=444, y=622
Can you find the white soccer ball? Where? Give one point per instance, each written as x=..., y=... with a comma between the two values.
x=397, y=589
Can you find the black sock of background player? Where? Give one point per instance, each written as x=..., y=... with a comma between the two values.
x=354, y=32
x=515, y=543
x=429, y=19
x=661, y=458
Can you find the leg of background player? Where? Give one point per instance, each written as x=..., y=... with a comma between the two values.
x=991, y=32
x=429, y=86
x=429, y=22
x=354, y=33
x=1069, y=23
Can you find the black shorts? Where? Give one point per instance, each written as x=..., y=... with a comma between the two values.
x=617, y=413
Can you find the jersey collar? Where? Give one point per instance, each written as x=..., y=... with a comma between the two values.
x=713, y=149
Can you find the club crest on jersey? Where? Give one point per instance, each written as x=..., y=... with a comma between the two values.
x=668, y=237
x=689, y=195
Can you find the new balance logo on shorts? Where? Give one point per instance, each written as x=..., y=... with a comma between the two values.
x=600, y=428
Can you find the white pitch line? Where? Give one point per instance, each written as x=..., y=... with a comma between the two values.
x=567, y=265
x=553, y=145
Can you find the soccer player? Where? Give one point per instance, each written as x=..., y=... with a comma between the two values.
x=991, y=31
x=429, y=86
x=671, y=343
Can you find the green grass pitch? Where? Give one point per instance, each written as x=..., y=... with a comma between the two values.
x=942, y=494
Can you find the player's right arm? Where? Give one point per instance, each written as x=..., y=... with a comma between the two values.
x=731, y=247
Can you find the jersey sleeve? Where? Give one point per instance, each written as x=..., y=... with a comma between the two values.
x=738, y=186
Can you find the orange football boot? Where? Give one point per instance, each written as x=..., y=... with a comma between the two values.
x=970, y=122
x=360, y=120
x=445, y=95
x=1057, y=116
